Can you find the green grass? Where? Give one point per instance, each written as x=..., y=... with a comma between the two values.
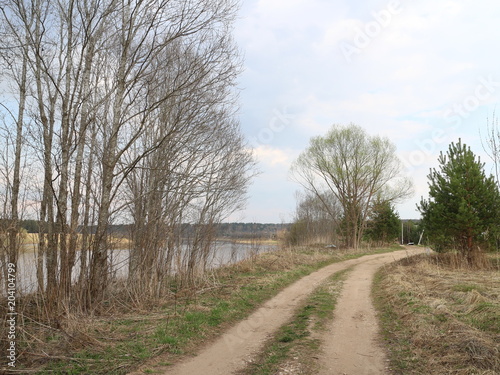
x=466, y=288
x=485, y=316
x=294, y=341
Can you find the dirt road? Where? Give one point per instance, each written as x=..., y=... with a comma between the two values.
x=348, y=349
x=350, y=345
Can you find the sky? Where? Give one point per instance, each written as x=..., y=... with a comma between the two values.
x=422, y=73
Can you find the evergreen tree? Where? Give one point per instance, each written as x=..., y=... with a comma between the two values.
x=464, y=205
x=385, y=222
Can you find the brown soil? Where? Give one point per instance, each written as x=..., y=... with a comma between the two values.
x=350, y=345
x=348, y=350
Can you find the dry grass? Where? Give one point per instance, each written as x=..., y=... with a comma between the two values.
x=29, y=242
x=440, y=319
x=256, y=241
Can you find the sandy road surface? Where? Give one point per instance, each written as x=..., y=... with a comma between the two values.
x=350, y=344
x=237, y=346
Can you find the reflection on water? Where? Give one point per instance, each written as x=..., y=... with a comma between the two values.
x=223, y=253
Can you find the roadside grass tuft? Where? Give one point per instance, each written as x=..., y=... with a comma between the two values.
x=466, y=288
x=439, y=320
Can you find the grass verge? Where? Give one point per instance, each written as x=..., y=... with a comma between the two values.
x=294, y=348
x=130, y=335
x=439, y=320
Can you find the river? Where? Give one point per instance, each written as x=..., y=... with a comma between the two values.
x=224, y=253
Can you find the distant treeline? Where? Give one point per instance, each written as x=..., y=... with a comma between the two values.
x=37, y=226
x=250, y=230
x=228, y=230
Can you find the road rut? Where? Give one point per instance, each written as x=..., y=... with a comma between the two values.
x=241, y=343
x=350, y=344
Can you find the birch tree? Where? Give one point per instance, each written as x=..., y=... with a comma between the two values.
x=14, y=64
x=106, y=84
x=491, y=144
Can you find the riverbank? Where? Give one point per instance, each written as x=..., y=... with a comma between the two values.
x=127, y=335
x=29, y=243
x=252, y=241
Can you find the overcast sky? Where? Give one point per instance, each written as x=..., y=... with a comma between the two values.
x=422, y=73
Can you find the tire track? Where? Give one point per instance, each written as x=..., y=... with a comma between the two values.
x=240, y=344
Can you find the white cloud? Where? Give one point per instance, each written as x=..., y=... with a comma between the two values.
x=273, y=156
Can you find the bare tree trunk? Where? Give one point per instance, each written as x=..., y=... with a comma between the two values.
x=65, y=144
x=13, y=228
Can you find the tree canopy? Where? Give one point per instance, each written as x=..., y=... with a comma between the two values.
x=355, y=167
x=464, y=204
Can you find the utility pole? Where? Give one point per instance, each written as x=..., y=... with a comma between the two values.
x=420, y=239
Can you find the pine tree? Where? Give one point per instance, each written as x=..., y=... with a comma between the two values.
x=385, y=222
x=464, y=205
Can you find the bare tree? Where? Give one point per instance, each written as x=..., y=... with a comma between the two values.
x=196, y=175
x=14, y=61
x=114, y=90
x=317, y=218
x=492, y=144
x=145, y=30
